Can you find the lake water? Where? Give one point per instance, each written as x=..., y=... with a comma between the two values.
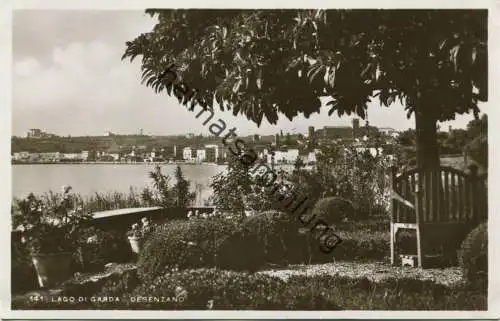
x=87, y=179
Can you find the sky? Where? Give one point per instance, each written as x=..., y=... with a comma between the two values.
x=69, y=79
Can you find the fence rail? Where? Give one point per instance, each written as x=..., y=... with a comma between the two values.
x=448, y=195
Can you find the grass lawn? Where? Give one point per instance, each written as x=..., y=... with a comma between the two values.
x=373, y=271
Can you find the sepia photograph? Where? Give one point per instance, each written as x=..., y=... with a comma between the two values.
x=273, y=159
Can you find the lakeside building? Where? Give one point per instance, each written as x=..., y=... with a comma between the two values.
x=373, y=151
x=303, y=156
x=283, y=157
x=71, y=156
x=310, y=134
x=387, y=131
x=290, y=147
x=115, y=156
x=212, y=153
x=334, y=132
x=19, y=156
x=311, y=157
x=209, y=153
x=48, y=157
x=38, y=133
x=201, y=155
x=187, y=154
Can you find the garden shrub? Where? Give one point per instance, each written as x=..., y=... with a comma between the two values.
x=98, y=247
x=379, y=224
x=225, y=290
x=23, y=273
x=183, y=244
x=474, y=255
x=335, y=210
x=391, y=294
x=118, y=286
x=215, y=289
x=362, y=245
x=406, y=241
x=268, y=237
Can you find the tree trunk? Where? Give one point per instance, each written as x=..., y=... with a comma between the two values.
x=428, y=161
x=427, y=146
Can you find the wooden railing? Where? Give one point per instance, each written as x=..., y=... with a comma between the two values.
x=448, y=196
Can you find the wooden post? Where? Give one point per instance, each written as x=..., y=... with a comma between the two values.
x=418, y=195
x=392, y=244
x=393, y=204
x=474, y=193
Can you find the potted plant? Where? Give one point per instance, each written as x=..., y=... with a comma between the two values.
x=137, y=234
x=49, y=229
x=98, y=247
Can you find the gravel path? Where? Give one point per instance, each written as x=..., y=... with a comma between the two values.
x=375, y=271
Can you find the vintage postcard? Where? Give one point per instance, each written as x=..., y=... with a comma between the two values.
x=203, y=161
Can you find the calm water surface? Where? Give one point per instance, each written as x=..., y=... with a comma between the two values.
x=87, y=179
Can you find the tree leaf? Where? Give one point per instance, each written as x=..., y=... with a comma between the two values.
x=453, y=56
x=237, y=85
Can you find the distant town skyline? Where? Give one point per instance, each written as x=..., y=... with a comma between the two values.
x=68, y=79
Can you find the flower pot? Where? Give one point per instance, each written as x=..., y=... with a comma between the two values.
x=52, y=269
x=135, y=244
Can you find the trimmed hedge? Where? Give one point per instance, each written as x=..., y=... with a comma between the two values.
x=335, y=210
x=362, y=245
x=216, y=289
x=183, y=244
x=474, y=255
x=268, y=237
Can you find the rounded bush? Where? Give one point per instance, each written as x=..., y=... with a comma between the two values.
x=474, y=255
x=335, y=210
x=268, y=237
x=183, y=244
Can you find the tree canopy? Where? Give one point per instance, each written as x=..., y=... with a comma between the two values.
x=264, y=62
x=260, y=63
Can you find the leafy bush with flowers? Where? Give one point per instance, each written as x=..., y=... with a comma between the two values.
x=140, y=230
x=49, y=227
x=185, y=244
x=196, y=214
x=354, y=173
x=23, y=273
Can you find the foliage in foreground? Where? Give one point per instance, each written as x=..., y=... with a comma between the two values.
x=215, y=289
x=334, y=210
x=268, y=237
x=183, y=244
x=49, y=227
x=23, y=275
x=98, y=247
x=474, y=256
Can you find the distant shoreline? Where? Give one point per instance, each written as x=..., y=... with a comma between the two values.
x=121, y=163
x=109, y=163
